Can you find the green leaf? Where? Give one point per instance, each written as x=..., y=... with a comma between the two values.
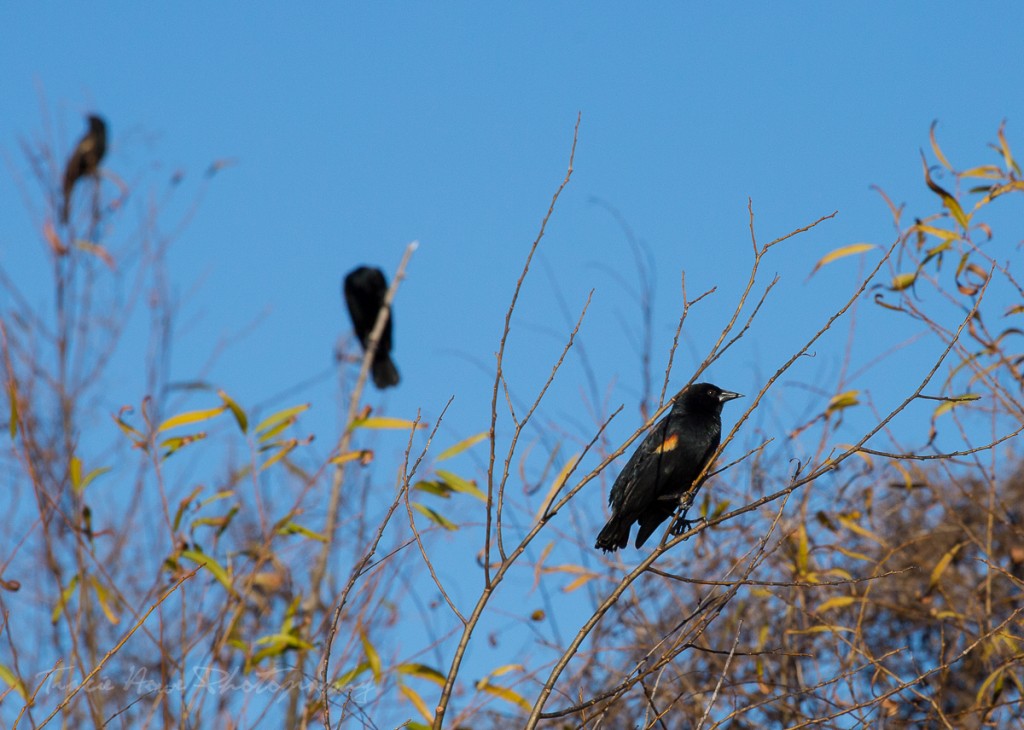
x=179, y=442
x=12, y=681
x=385, y=422
x=903, y=281
x=838, y=602
x=211, y=565
x=461, y=485
x=434, y=516
x=291, y=528
x=954, y=401
x=423, y=672
x=277, y=422
x=461, y=446
x=940, y=567
x=439, y=489
x=851, y=250
x=345, y=679
x=184, y=419
x=236, y=410
x=372, y=657
x=65, y=597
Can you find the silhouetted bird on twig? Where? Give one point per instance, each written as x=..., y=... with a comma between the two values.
x=365, y=289
x=85, y=160
x=660, y=475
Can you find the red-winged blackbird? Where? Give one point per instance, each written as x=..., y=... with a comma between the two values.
x=365, y=289
x=85, y=160
x=660, y=475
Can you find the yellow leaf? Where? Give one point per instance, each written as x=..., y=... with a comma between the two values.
x=556, y=485
x=863, y=531
x=461, y=485
x=504, y=693
x=365, y=456
x=837, y=602
x=76, y=473
x=286, y=447
x=211, y=565
x=345, y=679
x=13, y=682
x=434, y=516
x=423, y=672
x=385, y=422
x=842, y=400
x=951, y=403
x=851, y=250
x=236, y=410
x=191, y=417
x=935, y=147
x=101, y=596
x=417, y=702
x=285, y=416
x=291, y=528
x=943, y=563
x=372, y=657
x=461, y=446
x=903, y=281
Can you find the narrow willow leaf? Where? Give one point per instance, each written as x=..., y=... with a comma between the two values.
x=423, y=672
x=837, y=602
x=280, y=417
x=461, y=485
x=365, y=456
x=948, y=200
x=385, y=422
x=236, y=410
x=940, y=567
x=92, y=475
x=286, y=448
x=372, y=657
x=12, y=681
x=211, y=565
x=103, y=597
x=849, y=524
x=851, y=250
x=75, y=473
x=434, y=516
x=345, y=679
x=903, y=281
x=461, y=446
x=65, y=597
x=292, y=528
x=842, y=400
x=417, y=702
x=191, y=417
x=504, y=693
x=98, y=251
x=176, y=443
x=555, y=487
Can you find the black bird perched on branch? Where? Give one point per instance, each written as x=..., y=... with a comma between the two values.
x=660, y=475
x=365, y=289
x=85, y=160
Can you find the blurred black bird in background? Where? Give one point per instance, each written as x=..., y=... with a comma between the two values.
x=660, y=475
x=365, y=289
x=85, y=160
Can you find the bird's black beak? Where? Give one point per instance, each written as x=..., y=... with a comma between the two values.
x=728, y=395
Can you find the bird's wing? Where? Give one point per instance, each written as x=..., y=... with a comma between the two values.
x=637, y=484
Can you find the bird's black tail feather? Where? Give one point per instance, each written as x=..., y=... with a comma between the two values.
x=385, y=374
x=614, y=535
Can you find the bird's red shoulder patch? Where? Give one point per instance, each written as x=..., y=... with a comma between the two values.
x=667, y=445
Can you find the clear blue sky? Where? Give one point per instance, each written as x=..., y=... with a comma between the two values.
x=358, y=128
